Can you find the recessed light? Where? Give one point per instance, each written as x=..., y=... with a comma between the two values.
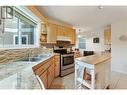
x=100, y=7
x=79, y=36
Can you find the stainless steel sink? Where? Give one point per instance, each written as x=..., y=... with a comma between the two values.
x=37, y=58
x=44, y=55
x=33, y=59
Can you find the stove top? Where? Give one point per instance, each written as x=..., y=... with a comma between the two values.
x=63, y=51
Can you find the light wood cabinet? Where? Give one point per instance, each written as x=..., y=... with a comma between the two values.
x=48, y=70
x=73, y=37
x=59, y=31
x=44, y=78
x=54, y=30
x=107, y=36
x=52, y=33
x=50, y=75
x=57, y=65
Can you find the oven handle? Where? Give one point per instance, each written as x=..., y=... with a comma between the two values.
x=67, y=55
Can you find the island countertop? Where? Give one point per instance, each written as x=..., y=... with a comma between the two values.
x=96, y=58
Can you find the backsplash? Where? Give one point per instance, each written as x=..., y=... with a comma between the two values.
x=63, y=43
x=10, y=55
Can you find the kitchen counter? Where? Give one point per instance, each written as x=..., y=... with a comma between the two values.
x=95, y=59
x=19, y=75
x=97, y=67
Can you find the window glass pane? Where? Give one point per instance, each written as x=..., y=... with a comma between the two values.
x=16, y=40
x=27, y=31
x=24, y=40
x=82, y=43
x=17, y=29
x=10, y=31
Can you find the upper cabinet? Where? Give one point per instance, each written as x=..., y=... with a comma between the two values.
x=107, y=36
x=53, y=30
x=73, y=36
x=59, y=30
x=52, y=33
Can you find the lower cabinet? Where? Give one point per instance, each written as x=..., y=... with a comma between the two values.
x=57, y=65
x=46, y=71
x=50, y=75
x=43, y=77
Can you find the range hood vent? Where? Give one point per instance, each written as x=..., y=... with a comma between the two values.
x=63, y=38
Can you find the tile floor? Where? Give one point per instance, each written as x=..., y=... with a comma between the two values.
x=118, y=81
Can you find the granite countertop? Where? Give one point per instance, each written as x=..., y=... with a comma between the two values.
x=96, y=58
x=19, y=75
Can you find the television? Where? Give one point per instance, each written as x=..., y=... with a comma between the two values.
x=96, y=40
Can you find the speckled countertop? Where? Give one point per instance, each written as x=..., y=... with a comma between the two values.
x=19, y=75
x=96, y=58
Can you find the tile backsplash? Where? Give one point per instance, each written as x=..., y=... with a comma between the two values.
x=10, y=55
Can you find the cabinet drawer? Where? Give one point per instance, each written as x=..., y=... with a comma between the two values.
x=44, y=66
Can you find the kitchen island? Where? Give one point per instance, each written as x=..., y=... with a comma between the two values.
x=93, y=71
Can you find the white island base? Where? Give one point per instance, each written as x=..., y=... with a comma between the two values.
x=99, y=69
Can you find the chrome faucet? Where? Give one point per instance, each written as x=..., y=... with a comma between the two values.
x=29, y=54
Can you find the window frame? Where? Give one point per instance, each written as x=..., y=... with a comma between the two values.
x=28, y=14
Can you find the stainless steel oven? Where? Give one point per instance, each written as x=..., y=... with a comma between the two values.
x=66, y=61
x=67, y=64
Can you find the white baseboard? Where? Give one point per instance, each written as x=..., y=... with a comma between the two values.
x=119, y=71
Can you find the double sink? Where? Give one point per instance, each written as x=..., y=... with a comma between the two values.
x=9, y=69
x=36, y=58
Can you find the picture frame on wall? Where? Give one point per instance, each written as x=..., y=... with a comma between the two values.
x=96, y=40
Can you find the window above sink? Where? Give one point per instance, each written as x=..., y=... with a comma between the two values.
x=20, y=31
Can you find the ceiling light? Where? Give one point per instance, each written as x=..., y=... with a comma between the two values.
x=100, y=7
x=79, y=36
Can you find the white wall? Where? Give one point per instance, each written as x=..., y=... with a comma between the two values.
x=119, y=48
x=97, y=47
x=90, y=46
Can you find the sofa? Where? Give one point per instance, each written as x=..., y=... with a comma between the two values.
x=86, y=53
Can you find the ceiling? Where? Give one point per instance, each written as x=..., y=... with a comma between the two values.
x=87, y=17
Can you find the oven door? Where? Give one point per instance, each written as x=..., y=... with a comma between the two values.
x=67, y=61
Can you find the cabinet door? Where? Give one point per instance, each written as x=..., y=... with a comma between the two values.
x=73, y=36
x=50, y=74
x=57, y=66
x=44, y=79
x=52, y=30
x=66, y=32
x=107, y=36
x=59, y=30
